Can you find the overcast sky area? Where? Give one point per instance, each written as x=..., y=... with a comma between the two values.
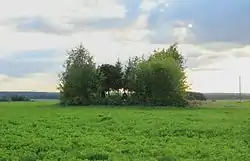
x=213, y=35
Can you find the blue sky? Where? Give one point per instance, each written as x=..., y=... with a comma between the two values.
x=213, y=36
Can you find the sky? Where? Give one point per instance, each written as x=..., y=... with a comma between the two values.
x=213, y=36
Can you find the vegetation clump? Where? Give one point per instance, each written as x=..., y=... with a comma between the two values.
x=158, y=80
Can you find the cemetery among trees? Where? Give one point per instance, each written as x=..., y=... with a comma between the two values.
x=156, y=80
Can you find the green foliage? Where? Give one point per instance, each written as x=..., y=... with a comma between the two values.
x=172, y=52
x=112, y=76
x=159, y=80
x=40, y=131
x=130, y=74
x=114, y=99
x=79, y=81
x=118, y=76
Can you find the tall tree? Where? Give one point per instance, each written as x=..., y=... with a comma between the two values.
x=118, y=76
x=113, y=75
x=106, y=70
x=173, y=52
x=160, y=80
x=78, y=82
x=129, y=74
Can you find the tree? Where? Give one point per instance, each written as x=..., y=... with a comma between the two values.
x=129, y=74
x=113, y=76
x=118, y=76
x=106, y=71
x=161, y=80
x=78, y=83
x=173, y=52
x=157, y=80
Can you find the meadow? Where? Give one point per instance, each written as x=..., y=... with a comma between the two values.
x=44, y=131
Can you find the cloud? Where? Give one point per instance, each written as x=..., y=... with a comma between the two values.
x=171, y=32
x=220, y=21
x=63, y=10
x=149, y=5
x=46, y=82
x=206, y=69
x=224, y=80
x=49, y=17
x=38, y=24
x=36, y=34
x=198, y=57
x=23, y=63
x=221, y=46
x=241, y=52
x=16, y=41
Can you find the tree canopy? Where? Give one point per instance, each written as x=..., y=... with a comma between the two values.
x=157, y=80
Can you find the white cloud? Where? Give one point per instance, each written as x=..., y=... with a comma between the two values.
x=136, y=31
x=61, y=11
x=12, y=41
x=107, y=45
x=35, y=82
x=221, y=46
x=148, y=5
x=180, y=33
x=225, y=80
x=58, y=12
x=183, y=31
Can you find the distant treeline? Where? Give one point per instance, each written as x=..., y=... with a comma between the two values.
x=195, y=96
x=226, y=96
x=14, y=98
x=190, y=95
x=31, y=95
x=55, y=95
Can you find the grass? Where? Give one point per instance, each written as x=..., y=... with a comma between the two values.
x=43, y=131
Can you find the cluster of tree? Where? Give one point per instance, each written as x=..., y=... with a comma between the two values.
x=196, y=96
x=14, y=98
x=156, y=80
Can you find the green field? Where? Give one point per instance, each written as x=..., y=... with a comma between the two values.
x=43, y=131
